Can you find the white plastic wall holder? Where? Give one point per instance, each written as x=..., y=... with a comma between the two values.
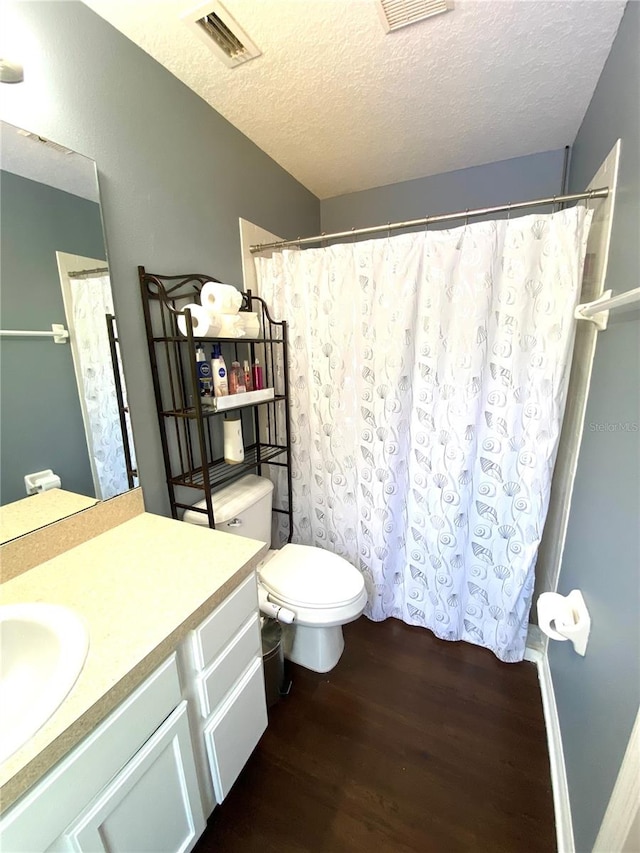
x=569, y=616
x=41, y=481
x=60, y=334
x=587, y=309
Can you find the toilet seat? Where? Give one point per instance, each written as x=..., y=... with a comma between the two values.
x=308, y=577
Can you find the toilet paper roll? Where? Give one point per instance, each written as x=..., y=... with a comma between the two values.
x=553, y=607
x=204, y=326
x=220, y=298
x=50, y=481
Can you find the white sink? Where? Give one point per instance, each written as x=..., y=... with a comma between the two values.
x=43, y=648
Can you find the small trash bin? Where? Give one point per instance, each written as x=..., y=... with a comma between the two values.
x=272, y=659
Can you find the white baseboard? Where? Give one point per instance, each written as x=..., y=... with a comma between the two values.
x=561, y=803
x=620, y=829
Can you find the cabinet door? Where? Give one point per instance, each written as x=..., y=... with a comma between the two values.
x=153, y=804
x=233, y=733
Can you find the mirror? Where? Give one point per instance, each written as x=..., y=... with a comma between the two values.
x=63, y=406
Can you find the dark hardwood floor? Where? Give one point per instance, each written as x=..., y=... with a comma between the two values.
x=410, y=744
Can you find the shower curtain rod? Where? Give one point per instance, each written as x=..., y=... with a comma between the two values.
x=603, y=192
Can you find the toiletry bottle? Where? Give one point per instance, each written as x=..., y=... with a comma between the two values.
x=236, y=379
x=258, y=382
x=205, y=380
x=233, y=446
x=248, y=379
x=242, y=385
x=219, y=371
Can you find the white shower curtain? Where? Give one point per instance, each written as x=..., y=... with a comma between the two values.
x=91, y=301
x=428, y=376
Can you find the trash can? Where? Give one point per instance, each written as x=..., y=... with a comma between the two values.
x=272, y=660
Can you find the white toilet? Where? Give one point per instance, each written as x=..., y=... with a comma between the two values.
x=322, y=590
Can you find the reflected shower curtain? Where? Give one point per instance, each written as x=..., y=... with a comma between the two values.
x=91, y=302
x=428, y=376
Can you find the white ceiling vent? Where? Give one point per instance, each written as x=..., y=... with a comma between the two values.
x=400, y=13
x=215, y=26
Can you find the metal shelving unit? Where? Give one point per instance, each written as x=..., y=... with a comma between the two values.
x=191, y=433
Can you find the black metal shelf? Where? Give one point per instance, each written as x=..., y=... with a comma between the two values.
x=191, y=437
x=219, y=472
x=181, y=339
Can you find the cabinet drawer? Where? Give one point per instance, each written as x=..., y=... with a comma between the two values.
x=233, y=733
x=153, y=804
x=222, y=674
x=215, y=632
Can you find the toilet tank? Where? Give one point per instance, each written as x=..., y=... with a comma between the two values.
x=243, y=508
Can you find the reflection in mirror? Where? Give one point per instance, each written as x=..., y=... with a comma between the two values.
x=53, y=270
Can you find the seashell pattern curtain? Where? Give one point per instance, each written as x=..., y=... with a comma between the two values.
x=428, y=376
x=91, y=302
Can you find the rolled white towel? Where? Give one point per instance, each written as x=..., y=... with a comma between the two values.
x=230, y=326
x=204, y=325
x=220, y=298
x=250, y=323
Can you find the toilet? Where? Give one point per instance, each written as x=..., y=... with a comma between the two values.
x=316, y=591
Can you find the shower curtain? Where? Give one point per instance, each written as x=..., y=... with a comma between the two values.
x=428, y=376
x=91, y=301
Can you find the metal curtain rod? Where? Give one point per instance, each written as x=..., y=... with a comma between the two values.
x=58, y=332
x=603, y=192
x=88, y=273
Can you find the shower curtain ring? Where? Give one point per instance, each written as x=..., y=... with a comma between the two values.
x=509, y=211
x=353, y=233
x=298, y=241
x=466, y=217
x=388, y=230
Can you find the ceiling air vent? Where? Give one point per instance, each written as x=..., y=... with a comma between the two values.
x=215, y=26
x=400, y=13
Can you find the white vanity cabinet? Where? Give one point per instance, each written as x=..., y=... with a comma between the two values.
x=153, y=804
x=147, y=776
x=222, y=662
x=122, y=786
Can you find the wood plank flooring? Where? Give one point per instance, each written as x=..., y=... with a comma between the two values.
x=410, y=744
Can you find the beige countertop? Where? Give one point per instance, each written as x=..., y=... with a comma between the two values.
x=141, y=587
x=39, y=510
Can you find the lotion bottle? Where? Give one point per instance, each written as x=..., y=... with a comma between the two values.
x=205, y=380
x=219, y=371
x=248, y=380
x=258, y=382
x=236, y=379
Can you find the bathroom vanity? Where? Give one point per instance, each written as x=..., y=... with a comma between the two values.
x=170, y=702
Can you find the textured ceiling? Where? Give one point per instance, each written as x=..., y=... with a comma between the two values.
x=343, y=106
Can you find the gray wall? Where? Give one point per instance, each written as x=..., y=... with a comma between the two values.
x=598, y=695
x=41, y=421
x=174, y=176
x=519, y=179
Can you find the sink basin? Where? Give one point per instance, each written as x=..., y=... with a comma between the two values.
x=43, y=648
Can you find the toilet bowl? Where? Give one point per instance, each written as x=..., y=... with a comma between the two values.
x=322, y=590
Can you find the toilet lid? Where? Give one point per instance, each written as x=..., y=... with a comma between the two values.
x=312, y=577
